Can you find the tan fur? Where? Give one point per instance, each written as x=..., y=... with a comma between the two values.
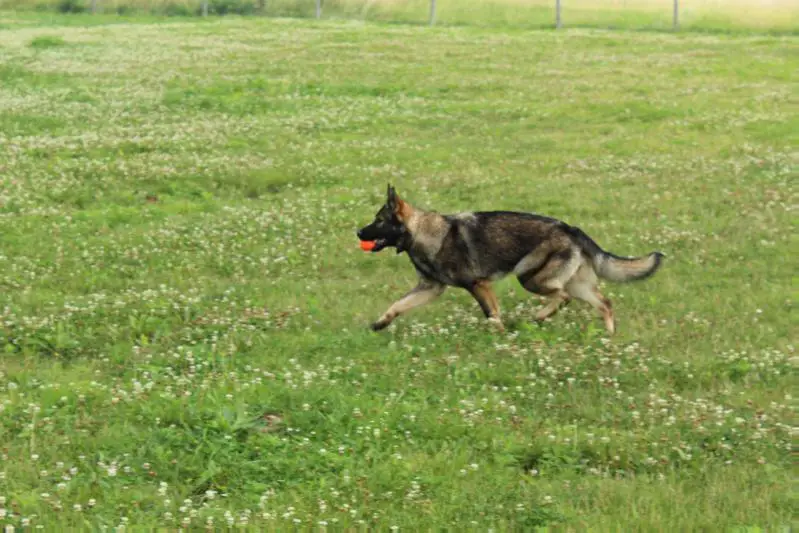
x=534, y=259
x=552, y=307
x=420, y=295
x=485, y=296
x=613, y=269
x=404, y=210
x=583, y=287
x=428, y=230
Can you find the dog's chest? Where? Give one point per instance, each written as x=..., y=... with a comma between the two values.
x=426, y=267
x=446, y=269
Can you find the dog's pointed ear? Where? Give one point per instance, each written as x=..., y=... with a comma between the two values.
x=398, y=205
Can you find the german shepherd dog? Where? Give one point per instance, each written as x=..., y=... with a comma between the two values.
x=471, y=250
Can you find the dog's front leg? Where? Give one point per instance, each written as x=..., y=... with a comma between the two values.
x=484, y=294
x=425, y=292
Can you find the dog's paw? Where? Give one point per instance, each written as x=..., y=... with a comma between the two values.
x=380, y=324
x=497, y=324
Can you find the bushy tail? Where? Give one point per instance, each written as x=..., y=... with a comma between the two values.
x=613, y=267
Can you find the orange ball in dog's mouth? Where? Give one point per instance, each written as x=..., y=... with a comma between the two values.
x=367, y=246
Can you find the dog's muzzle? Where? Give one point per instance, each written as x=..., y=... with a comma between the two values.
x=379, y=243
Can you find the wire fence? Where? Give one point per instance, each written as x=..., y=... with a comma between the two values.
x=558, y=18
x=209, y=7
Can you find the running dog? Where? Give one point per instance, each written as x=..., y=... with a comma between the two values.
x=471, y=250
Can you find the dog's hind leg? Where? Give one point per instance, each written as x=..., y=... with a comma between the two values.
x=555, y=301
x=548, y=277
x=425, y=292
x=583, y=287
x=484, y=294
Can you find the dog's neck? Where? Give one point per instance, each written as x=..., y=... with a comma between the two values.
x=426, y=232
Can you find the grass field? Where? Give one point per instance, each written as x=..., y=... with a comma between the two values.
x=184, y=309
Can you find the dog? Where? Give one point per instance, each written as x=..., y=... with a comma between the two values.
x=471, y=250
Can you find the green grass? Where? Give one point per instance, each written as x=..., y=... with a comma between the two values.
x=184, y=309
x=46, y=41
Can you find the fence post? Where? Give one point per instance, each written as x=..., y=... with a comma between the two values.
x=676, y=14
x=205, y=8
x=432, y=12
x=557, y=14
x=318, y=9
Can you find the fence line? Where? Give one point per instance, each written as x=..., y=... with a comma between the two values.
x=557, y=14
x=432, y=17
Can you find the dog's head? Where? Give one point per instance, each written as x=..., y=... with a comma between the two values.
x=388, y=227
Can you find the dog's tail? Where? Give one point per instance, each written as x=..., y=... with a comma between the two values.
x=612, y=267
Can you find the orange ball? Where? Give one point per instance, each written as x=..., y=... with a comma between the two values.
x=367, y=245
